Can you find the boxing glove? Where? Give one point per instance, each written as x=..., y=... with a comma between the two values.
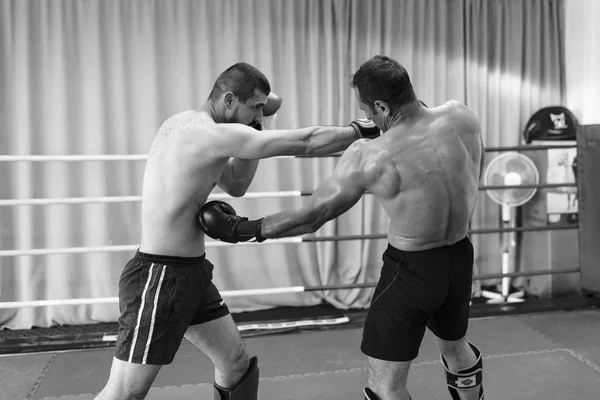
x=219, y=221
x=273, y=104
x=365, y=128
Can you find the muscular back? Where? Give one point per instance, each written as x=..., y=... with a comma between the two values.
x=178, y=178
x=426, y=176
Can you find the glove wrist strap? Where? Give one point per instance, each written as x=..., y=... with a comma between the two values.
x=259, y=236
x=365, y=132
x=354, y=126
x=246, y=230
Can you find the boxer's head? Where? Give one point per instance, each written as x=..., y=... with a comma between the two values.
x=239, y=94
x=382, y=86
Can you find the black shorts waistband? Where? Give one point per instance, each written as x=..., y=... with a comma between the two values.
x=402, y=255
x=172, y=261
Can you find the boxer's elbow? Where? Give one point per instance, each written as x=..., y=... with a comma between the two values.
x=313, y=220
x=239, y=189
x=237, y=192
x=235, y=189
x=308, y=143
x=324, y=140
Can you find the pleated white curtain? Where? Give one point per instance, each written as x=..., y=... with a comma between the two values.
x=99, y=77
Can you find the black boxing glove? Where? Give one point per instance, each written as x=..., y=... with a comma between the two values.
x=273, y=104
x=365, y=128
x=219, y=221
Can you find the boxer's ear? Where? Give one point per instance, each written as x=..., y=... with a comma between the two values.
x=229, y=100
x=381, y=107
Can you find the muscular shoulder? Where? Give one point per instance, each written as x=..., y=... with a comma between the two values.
x=455, y=104
x=186, y=122
x=460, y=110
x=362, y=163
x=463, y=116
x=358, y=154
x=187, y=132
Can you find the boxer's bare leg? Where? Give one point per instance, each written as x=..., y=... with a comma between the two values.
x=221, y=341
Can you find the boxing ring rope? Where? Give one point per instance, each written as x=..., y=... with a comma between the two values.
x=529, y=147
x=255, y=195
x=289, y=240
x=137, y=199
x=223, y=196
x=259, y=292
x=143, y=157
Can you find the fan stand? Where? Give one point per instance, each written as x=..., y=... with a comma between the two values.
x=508, y=249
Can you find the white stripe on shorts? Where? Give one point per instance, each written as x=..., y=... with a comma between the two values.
x=140, y=312
x=162, y=275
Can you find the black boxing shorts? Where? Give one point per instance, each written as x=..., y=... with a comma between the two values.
x=159, y=297
x=419, y=289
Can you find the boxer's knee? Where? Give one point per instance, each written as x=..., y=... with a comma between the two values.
x=457, y=353
x=234, y=366
x=238, y=357
x=387, y=379
x=128, y=381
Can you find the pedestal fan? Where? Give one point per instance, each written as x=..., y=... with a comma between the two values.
x=509, y=169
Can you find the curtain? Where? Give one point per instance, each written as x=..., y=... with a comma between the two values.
x=582, y=59
x=99, y=77
x=515, y=67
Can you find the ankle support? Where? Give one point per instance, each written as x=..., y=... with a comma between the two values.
x=466, y=378
x=369, y=395
x=245, y=389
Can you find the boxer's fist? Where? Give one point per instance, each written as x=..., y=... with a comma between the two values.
x=273, y=104
x=365, y=128
x=219, y=221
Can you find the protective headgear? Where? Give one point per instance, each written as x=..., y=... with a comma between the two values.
x=551, y=123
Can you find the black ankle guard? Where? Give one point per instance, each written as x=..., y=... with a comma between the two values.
x=369, y=395
x=467, y=378
x=245, y=389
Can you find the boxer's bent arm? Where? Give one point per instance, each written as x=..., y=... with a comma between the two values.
x=237, y=140
x=333, y=197
x=237, y=176
x=473, y=122
x=482, y=161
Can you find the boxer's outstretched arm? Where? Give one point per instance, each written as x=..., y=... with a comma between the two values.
x=237, y=176
x=334, y=196
x=241, y=141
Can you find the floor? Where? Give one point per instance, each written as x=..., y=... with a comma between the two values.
x=537, y=356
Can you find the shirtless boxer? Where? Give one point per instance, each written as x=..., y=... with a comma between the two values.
x=425, y=171
x=166, y=290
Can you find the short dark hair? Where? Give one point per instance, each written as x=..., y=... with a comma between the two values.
x=383, y=78
x=241, y=79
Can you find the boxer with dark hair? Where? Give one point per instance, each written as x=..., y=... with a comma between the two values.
x=425, y=171
x=166, y=290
